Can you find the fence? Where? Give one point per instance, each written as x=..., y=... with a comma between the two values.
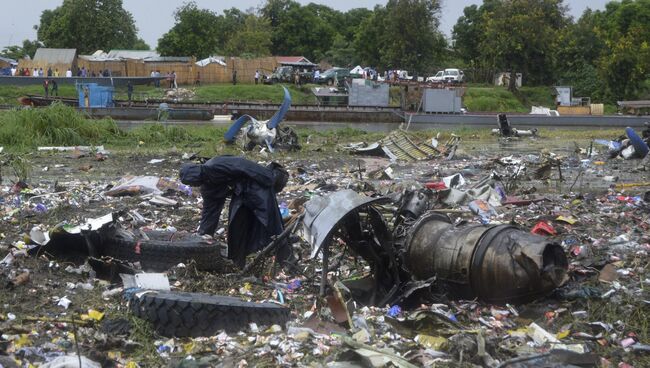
x=186, y=72
x=246, y=68
x=117, y=68
x=31, y=64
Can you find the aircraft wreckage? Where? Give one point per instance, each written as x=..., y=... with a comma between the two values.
x=496, y=264
x=266, y=133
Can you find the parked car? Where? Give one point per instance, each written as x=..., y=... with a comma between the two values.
x=403, y=75
x=287, y=74
x=329, y=76
x=439, y=77
x=453, y=76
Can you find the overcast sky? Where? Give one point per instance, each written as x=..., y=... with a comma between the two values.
x=155, y=17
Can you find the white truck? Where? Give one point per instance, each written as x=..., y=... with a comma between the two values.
x=453, y=76
x=439, y=77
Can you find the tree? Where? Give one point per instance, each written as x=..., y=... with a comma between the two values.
x=275, y=10
x=578, y=51
x=342, y=52
x=28, y=49
x=88, y=25
x=468, y=35
x=253, y=39
x=411, y=39
x=521, y=36
x=624, y=63
x=302, y=32
x=140, y=44
x=351, y=21
x=194, y=33
x=369, y=38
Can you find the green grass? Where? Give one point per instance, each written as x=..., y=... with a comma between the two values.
x=9, y=94
x=55, y=125
x=58, y=125
x=207, y=93
x=499, y=99
x=537, y=96
x=493, y=99
x=260, y=92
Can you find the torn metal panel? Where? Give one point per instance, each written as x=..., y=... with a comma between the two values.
x=400, y=145
x=323, y=214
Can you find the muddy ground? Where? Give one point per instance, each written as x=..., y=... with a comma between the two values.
x=603, y=316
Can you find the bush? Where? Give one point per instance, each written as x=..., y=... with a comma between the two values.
x=494, y=99
x=57, y=125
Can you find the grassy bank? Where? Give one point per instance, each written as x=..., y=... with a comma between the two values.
x=9, y=94
x=23, y=130
x=492, y=99
x=485, y=98
x=478, y=98
x=213, y=92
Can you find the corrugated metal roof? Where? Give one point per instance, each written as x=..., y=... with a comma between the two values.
x=8, y=60
x=99, y=57
x=168, y=59
x=55, y=56
x=132, y=54
x=292, y=59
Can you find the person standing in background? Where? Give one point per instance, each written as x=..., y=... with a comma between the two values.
x=55, y=88
x=129, y=90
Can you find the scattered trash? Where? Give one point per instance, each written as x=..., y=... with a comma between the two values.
x=70, y=361
x=392, y=266
x=543, y=228
x=150, y=281
x=132, y=186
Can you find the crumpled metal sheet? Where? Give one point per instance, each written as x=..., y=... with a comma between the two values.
x=259, y=134
x=457, y=197
x=400, y=145
x=323, y=214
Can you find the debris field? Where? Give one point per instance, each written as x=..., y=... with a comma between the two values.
x=516, y=253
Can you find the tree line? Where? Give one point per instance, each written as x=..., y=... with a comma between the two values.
x=604, y=54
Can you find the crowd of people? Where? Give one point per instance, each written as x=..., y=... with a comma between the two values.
x=170, y=77
x=39, y=72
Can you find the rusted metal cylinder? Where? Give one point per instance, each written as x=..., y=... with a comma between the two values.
x=496, y=264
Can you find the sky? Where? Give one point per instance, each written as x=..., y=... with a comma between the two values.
x=155, y=17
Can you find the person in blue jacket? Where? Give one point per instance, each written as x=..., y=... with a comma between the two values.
x=254, y=216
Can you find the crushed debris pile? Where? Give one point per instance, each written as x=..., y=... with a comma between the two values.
x=534, y=258
x=180, y=94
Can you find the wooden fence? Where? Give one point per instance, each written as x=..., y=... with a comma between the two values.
x=187, y=73
x=117, y=68
x=31, y=64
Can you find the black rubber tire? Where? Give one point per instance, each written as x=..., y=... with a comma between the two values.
x=161, y=255
x=176, y=314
